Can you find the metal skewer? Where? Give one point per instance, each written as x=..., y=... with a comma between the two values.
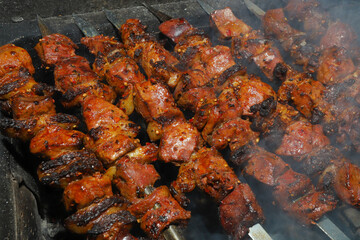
x=256, y=232
x=172, y=232
x=44, y=29
x=324, y=224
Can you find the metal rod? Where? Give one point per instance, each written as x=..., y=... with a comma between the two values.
x=162, y=17
x=88, y=29
x=44, y=29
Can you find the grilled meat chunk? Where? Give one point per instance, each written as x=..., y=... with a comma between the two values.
x=334, y=66
x=290, y=186
x=73, y=71
x=180, y=139
x=68, y=167
x=302, y=137
x=315, y=20
x=208, y=170
x=100, y=216
x=131, y=178
x=157, y=211
x=112, y=62
x=83, y=192
x=339, y=35
x=14, y=58
x=156, y=61
x=346, y=183
x=27, y=105
x=154, y=102
x=53, y=141
x=264, y=166
x=239, y=211
x=28, y=128
x=312, y=206
x=227, y=24
x=16, y=82
x=101, y=44
x=54, y=48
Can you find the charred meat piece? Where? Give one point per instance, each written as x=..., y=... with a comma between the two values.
x=334, y=66
x=253, y=46
x=83, y=192
x=227, y=24
x=131, y=178
x=157, y=211
x=301, y=137
x=54, y=48
x=338, y=35
x=153, y=57
x=14, y=58
x=99, y=113
x=155, y=102
x=247, y=43
x=53, y=141
x=16, y=82
x=100, y=216
x=73, y=71
x=290, y=186
x=180, y=139
x=101, y=44
x=208, y=170
x=264, y=166
x=315, y=20
x=235, y=133
x=316, y=161
x=28, y=105
x=312, y=206
x=239, y=211
x=68, y=167
x=28, y=128
x=113, y=63
x=292, y=40
x=346, y=183
x=304, y=92
x=215, y=60
x=76, y=94
x=110, y=143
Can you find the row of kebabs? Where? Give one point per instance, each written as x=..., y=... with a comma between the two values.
x=218, y=113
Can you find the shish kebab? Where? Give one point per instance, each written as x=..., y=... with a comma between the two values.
x=208, y=7
x=67, y=164
x=178, y=31
x=110, y=139
x=312, y=99
x=354, y=199
x=99, y=212
x=334, y=65
x=203, y=153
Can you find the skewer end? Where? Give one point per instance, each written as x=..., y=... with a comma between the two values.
x=256, y=10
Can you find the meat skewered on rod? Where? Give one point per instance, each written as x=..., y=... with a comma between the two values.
x=110, y=138
x=135, y=34
x=172, y=232
x=179, y=125
x=68, y=164
x=334, y=111
x=155, y=103
x=184, y=26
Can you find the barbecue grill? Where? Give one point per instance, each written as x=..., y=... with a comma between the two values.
x=32, y=211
